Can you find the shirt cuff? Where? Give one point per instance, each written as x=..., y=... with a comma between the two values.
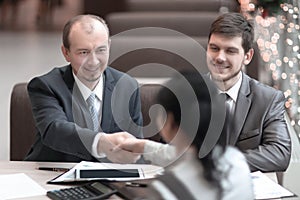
x=95, y=152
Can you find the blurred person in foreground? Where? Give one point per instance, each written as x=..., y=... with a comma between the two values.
x=257, y=125
x=187, y=112
x=82, y=110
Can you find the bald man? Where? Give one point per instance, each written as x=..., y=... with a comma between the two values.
x=70, y=126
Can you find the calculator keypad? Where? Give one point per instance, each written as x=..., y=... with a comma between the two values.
x=70, y=194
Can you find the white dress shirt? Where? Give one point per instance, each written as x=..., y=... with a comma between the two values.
x=233, y=92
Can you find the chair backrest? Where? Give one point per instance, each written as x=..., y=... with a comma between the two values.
x=22, y=125
x=190, y=23
x=22, y=128
x=153, y=56
x=182, y=5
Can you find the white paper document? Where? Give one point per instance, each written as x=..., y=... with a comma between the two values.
x=145, y=171
x=265, y=188
x=19, y=186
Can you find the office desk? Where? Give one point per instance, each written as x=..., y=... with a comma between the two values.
x=42, y=176
x=291, y=179
x=30, y=169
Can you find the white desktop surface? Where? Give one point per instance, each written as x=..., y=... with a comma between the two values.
x=30, y=169
x=42, y=176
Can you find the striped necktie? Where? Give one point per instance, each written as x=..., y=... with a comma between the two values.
x=93, y=111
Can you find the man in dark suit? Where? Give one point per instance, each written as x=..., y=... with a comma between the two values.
x=257, y=125
x=83, y=110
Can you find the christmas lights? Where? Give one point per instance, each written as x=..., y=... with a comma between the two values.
x=278, y=39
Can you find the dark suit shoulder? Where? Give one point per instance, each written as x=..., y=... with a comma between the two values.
x=260, y=89
x=55, y=73
x=56, y=79
x=117, y=75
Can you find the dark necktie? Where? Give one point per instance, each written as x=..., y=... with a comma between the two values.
x=93, y=111
x=224, y=137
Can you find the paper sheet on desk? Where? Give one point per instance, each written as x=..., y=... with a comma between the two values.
x=265, y=188
x=149, y=171
x=19, y=186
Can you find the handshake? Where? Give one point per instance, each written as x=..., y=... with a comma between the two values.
x=121, y=147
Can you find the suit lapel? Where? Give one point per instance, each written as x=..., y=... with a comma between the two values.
x=241, y=110
x=80, y=112
x=68, y=77
x=106, y=105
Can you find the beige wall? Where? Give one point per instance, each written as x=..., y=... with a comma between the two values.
x=25, y=52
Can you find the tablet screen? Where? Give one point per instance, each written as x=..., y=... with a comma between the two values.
x=108, y=173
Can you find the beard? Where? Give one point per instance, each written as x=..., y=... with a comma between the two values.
x=220, y=78
x=92, y=78
x=225, y=80
x=89, y=79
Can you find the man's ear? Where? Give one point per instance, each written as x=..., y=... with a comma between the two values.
x=65, y=53
x=248, y=56
x=109, y=42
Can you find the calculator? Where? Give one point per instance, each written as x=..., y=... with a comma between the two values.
x=89, y=191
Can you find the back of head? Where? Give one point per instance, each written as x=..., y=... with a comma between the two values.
x=234, y=25
x=187, y=96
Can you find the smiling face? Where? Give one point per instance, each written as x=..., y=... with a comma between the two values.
x=89, y=50
x=225, y=59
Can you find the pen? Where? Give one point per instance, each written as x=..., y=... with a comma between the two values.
x=53, y=169
x=134, y=184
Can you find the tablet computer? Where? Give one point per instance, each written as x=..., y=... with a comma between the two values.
x=90, y=174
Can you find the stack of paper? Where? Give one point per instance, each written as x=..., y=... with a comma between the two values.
x=265, y=188
x=19, y=186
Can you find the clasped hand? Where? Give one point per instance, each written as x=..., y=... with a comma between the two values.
x=110, y=144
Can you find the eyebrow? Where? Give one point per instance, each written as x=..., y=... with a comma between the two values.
x=212, y=44
x=233, y=48
x=86, y=49
x=230, y=47
x=102, y=46
x=82, y=49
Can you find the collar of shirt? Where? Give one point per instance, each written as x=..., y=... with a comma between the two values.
x=234, y=90
x=86, y=92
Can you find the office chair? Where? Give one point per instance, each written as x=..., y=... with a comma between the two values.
x=22, y=129
x=22, y=125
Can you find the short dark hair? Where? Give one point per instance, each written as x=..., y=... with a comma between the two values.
x=232, y=25
x=72, y=21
